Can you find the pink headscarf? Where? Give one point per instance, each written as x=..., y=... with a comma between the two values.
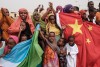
x=15, y=38
x=14, y=28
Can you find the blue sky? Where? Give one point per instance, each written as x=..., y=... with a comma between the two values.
x=14, y=5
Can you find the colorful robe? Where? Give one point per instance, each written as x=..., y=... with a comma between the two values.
x=50, y=58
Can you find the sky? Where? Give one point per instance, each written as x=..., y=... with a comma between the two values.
x=30, y=5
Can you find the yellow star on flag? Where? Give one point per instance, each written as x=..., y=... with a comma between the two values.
x=88, y=40
x=76, y=27
x=90, y=28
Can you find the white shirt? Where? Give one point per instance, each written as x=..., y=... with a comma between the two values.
x=71, y=59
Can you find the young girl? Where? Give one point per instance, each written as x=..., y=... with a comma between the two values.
x=12, y=41
x=62, y=52
x=23, y=38
x=72, y=51
x=50, y=54
x=24, y=29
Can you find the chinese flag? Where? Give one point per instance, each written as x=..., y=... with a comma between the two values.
x=86, y=37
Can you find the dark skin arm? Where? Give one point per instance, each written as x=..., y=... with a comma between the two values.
x=51, y=6
x=41, y=9
x=53, y=48
x=45, y=14
x=37, y=8
x=48, y=10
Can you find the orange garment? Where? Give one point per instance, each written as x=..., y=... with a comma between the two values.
x=50, y=58
x=6, y=21
x=98, y=16
x=14, y=28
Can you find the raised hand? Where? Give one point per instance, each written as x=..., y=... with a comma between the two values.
x=41, y=9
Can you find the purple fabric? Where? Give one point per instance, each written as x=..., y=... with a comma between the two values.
x=66, y=9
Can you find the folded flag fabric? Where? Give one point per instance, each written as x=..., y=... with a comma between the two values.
x=34, y=56
x=24, y=54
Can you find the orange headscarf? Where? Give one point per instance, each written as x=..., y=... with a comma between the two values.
x=6, y=22
x=14, y=28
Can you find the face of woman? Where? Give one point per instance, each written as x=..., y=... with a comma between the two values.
x=6, y=11
x=52, y=19
x=23, y=15
x=36, y=17
x=23, y=26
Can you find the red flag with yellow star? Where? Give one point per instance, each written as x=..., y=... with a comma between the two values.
x=86, y=37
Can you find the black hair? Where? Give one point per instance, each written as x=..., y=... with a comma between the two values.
x=64, y=40
x=1, y=32
x=92, y=10
x=27, y=31
x=76, y=7
x=51, y=32
x=22, y=36
x=71, y=37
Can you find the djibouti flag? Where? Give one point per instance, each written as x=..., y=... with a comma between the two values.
x=25, y=54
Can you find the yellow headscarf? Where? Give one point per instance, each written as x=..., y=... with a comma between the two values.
x=52, y=27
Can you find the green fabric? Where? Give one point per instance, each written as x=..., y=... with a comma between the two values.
x=34, y=56
x=42, y=23
x=57, y=37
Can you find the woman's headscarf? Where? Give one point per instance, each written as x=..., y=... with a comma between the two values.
x=15, y=38
x=66, y=9
x=42, y=23
x=16, y=25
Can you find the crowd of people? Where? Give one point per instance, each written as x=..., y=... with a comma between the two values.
x=58, y=52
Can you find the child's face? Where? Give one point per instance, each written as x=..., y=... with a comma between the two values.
x=71, y=41
x=23, y=26
x=11, y=43
x=24, y=38
x=61, y=42
x=51, y=37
